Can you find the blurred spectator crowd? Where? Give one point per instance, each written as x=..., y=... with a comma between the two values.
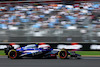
x=14, y=16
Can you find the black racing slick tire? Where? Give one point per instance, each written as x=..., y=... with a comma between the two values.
x=13, y=54
x=63, y=54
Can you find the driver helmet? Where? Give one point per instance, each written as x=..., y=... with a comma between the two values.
x=44, y=45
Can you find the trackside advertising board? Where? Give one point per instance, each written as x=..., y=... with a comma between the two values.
x=69, y=46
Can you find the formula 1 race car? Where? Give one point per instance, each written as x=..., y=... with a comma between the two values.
x=41, y=51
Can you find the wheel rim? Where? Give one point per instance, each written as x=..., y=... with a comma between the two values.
x=63, y=54
x=12, y=54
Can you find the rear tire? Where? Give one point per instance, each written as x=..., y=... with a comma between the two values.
x=13, y=54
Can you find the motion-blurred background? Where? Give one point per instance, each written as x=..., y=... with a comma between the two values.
x=50, y=21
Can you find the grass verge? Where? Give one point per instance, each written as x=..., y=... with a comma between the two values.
x=78, y=52
x=88, y=52
x=2, y=52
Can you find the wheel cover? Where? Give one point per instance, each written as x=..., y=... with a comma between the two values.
x=12, y=54
x=62, y=54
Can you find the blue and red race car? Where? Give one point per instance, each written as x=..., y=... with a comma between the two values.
x=40, y=51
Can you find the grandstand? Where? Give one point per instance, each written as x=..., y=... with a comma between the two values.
x=49, y=21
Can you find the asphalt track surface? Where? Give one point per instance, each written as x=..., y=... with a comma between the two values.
x=28, y=62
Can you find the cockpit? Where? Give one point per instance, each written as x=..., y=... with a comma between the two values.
x=32, y=46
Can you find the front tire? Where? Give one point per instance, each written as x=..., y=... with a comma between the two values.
x=63, y=54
